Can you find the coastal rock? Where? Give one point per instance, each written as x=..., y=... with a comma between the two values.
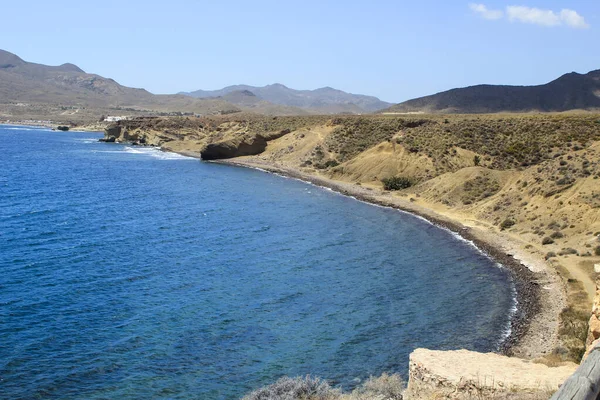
x=464, y=374
x=113, y=131
x=594, y=322
x=594, y=327
x=240, y=146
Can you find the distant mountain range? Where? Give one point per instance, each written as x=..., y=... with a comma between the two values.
x=67, y=84
x=569, y=92
x=67, y=92
x=322, y=101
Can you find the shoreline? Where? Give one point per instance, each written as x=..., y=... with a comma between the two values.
x=523, y=339
x=540, y=293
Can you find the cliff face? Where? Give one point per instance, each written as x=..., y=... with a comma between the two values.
x=208, y=138
x=193, y=136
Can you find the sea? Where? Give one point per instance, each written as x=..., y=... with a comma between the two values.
x=128, y=273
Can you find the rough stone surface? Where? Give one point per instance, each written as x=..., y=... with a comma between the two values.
x=464, y=374
x=594, y=323
x=237, y=147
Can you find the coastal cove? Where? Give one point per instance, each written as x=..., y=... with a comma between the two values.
x=527, y=288
x=193, y=277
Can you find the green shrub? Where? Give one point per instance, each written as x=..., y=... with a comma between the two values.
x=567, y=251
x=574, y=328
x=476, y=160
x=557, y=235
x=397, y=183
x=597, y=251
x=547, y=240
x=507, y=223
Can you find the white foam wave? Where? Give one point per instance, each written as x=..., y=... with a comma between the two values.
x=156, y=153
x=14, y=128
x=87, y=140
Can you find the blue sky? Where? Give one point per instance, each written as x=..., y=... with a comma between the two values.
x=395, y=50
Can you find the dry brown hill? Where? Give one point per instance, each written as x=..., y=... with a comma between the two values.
x=69, y=86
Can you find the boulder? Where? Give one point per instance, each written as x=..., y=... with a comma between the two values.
x=463, y=374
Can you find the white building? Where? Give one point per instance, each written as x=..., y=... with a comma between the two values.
x=115, y=118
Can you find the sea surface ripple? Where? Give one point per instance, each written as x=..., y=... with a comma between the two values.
x=130, y=273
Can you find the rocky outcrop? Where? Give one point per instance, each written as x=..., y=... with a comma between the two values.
x=213, y=139
x=464, y=374
x=111, y=134
x=120, y=132
x=245, y=146
x=593, y=338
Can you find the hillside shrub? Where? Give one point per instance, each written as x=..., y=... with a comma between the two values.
x=507, y=223
x=567, y=250
x=397, y=183
x=295, y=388
x=597, y=251
x=547, y=240
x=389, y=387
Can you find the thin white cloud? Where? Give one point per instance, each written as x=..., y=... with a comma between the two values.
x=531, y=15
x=485, y=12
x=573, y=19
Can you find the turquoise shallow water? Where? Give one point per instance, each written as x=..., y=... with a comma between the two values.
x=130, y=273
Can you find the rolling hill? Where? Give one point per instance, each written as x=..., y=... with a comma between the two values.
x=571, y=91
x=319, y=101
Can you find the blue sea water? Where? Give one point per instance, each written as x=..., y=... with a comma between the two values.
x=128, y=273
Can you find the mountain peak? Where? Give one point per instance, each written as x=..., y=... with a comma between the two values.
x=68, y=67
x=277, y=85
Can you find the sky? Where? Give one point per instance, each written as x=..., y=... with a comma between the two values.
x=395, y=50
